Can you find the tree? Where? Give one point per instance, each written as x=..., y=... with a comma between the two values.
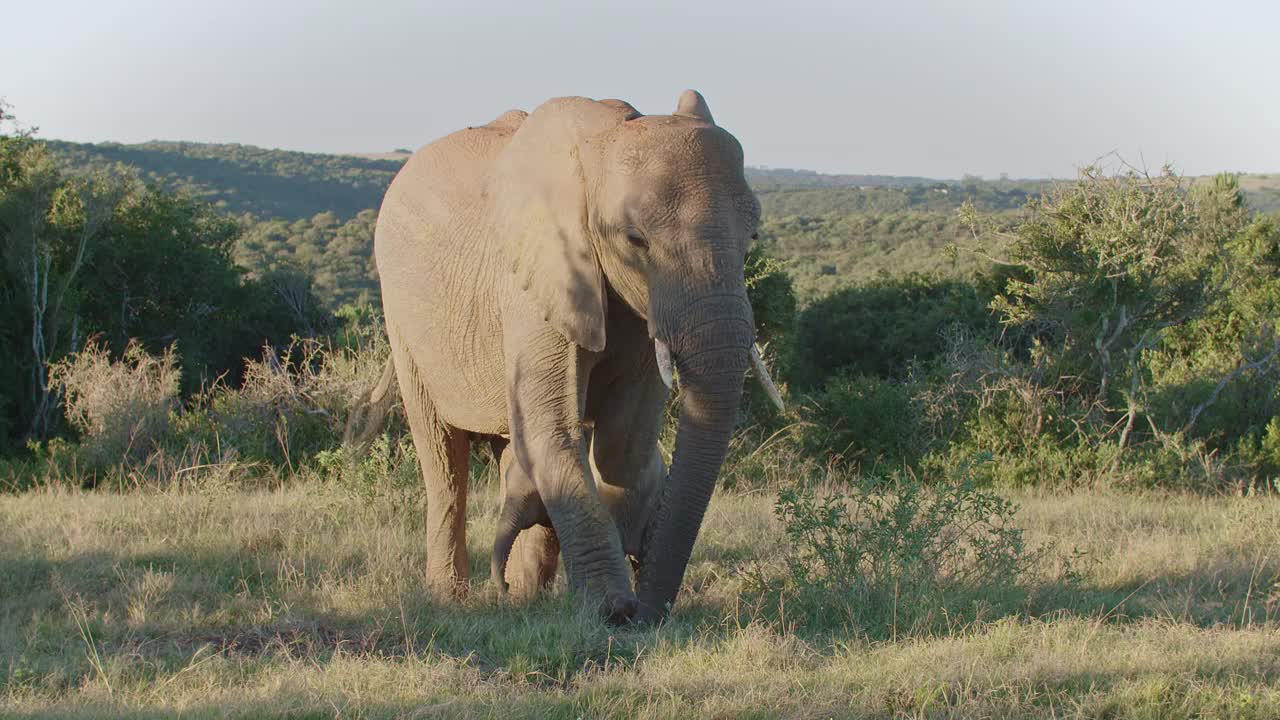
x=99, y=254
x=166, y=275
x=49, y=228
x=1135, y=297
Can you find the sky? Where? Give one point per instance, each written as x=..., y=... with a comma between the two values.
x=1031, y=88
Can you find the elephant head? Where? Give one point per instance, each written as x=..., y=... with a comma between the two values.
x=654, y=212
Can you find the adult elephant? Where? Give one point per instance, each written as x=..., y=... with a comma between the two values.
x=541, y=276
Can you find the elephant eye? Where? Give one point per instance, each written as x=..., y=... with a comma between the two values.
x=755, y=236
x=635, y=238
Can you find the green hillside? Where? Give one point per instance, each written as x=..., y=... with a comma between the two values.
x=243, y=179
x=315, y=213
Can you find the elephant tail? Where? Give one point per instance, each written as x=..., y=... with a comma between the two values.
x=369, y=413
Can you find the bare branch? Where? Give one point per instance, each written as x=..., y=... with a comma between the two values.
x=1242, y=369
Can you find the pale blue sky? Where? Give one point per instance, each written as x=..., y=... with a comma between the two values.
x=1030, y=87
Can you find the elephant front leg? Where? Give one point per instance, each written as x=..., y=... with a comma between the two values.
x=546, y=395
x=627, y=412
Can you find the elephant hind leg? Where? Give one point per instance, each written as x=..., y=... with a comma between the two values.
x=525, y=527
x=444, y=455
x=534, y=560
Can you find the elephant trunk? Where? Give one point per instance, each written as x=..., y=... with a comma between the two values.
x=711, y=357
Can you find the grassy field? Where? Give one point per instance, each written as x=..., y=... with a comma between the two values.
x=307, y=602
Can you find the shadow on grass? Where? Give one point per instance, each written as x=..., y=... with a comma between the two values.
x=1238, y=591
x=165, y=609
x=1187, y=686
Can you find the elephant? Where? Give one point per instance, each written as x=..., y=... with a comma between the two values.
x=544, y=277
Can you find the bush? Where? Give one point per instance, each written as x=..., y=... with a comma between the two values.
x=885, y=327
x=773, y=300
x=1261, y=453
x=864, y=420
x=386, y=470
x=896, y=559
x=1139, y=343
x=120, y=408
x=290, y=406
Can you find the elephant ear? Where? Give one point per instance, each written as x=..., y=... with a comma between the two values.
x=691, y=104
x=540, y=193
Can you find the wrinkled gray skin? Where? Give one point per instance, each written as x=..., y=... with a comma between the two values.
x=522, y=509
x=527, y=268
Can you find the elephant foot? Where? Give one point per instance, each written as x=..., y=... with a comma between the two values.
x=500, y=582
x=449, y=592
x=619, y=609
x=446, y=586
x=650, y=614
x=497, y=573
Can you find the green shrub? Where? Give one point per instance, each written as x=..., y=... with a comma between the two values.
x=1139, y=344
x=885, y=327
x=773, y=300
x=897, y=558
x=1261, y=454
x=864, y=420
x=50, y=463
x=387, y=470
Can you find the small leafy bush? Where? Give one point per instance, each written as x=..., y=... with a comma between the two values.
x=897, y=558
x=386, y=470
x=1262, y=453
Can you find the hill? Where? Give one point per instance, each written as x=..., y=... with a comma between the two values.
x=315, y=212
x=290, y=185
x=243, y=179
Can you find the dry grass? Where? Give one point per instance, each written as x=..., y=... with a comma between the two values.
x=303, y=603
x=121, y=408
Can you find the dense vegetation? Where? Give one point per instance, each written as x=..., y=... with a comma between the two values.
x=313, y=214
x=1079, y=332
x=336, y=256
x=101, y=254
x=202, y=327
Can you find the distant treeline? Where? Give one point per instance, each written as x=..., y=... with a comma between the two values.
x=313, y=214
x=242, y=179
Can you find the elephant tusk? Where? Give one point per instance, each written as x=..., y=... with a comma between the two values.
x=665, y=367
x=762, y=374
